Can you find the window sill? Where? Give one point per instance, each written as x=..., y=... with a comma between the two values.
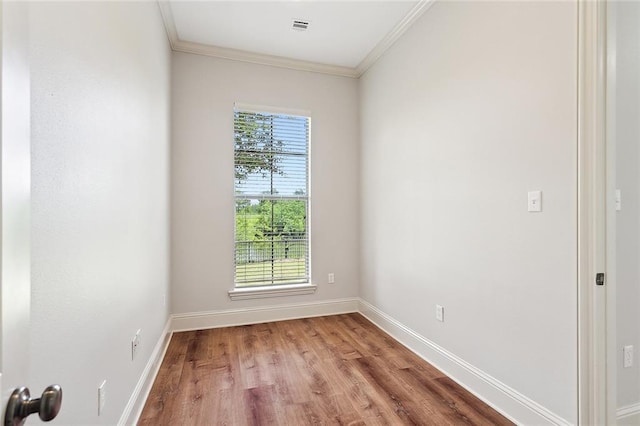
x=271, y=291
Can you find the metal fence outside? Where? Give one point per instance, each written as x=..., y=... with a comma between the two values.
x=262, y=251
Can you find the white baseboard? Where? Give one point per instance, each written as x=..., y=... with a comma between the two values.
x=133, y=410
x=244, y=316
x=513, y=405
x=629, y=415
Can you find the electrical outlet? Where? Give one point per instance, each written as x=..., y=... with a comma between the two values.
x=135, y=344
x=331, y=279
x=627, y=353
x=440, y=313
x=102, y=397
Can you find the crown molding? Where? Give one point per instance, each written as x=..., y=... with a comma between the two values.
x=262, y=59
x=169, y=23
x=179, y=45
x=416, y=12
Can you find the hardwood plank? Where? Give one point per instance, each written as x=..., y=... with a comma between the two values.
x=224, y=361
x=335, y=370
x=163, y=392
x=470, y=404
x=403, y=402
x=192, y=401
x=260, y=406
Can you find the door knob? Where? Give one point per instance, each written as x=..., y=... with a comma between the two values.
x=21, y=405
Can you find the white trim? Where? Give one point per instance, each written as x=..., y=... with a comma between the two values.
x=496, y=394
x=282, y=62
x=610, y=116
x=628, y=411
x=261, y=59
x=169, y=23
x=592, y=319
x=383, y=45
x=244, y=316
x=133, y=410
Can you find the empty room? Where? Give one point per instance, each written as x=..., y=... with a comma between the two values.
x=320, y=212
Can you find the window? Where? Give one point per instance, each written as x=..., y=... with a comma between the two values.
x=272, y=199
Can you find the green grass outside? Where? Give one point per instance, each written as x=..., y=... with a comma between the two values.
x=285, y=271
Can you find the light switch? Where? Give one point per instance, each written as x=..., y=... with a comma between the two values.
x=535, y=201
x=102, y=397
x=618, y=200
x=439, y=313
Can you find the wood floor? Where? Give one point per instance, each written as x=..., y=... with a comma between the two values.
x=335, y=370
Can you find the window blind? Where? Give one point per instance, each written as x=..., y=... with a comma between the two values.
x=271, y=160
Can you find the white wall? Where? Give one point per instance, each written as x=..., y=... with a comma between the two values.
x=204, y=90
x=472, y=108
x=627, y=111
x=100, y=127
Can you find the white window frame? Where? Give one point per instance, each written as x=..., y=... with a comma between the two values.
x=274, y=290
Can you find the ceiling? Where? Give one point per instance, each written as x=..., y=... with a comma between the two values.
x=343, y=37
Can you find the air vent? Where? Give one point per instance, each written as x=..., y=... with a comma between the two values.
x=300, y=25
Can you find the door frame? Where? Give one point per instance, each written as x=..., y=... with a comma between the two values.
x=15, y=198
x=592, y=299
x=610, y=40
